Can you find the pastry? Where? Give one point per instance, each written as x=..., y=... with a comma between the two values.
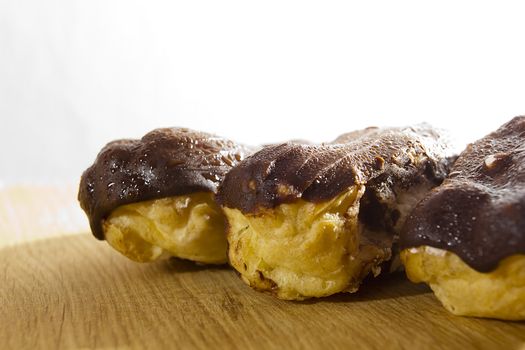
x=309, y=220
x=466, y=239
x=156, y=196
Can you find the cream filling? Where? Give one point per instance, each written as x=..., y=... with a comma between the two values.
x=305, y=249
x=465, y=291
x=190, y=227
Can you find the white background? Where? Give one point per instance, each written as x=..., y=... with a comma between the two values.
x=75, y=74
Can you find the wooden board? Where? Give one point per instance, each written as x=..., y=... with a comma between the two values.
x=71, y=291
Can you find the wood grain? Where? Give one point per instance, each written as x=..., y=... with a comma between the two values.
x=75, y=292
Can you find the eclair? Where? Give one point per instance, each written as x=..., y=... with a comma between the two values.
x=155, y=196
x=308, y=220
x=466, y=238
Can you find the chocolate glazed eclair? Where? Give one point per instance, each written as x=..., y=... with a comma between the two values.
x=466, y=239
x=156, y=196
x=313, y=220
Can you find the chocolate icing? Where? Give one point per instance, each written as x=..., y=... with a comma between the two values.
x=165, y=162
x=479, y=211
x=286, y=172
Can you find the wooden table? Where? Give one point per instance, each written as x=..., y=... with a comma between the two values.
x=61, y=288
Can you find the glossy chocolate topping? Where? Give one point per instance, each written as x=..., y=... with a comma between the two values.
x=284, y=173
x=479, y=211
x=165, y=162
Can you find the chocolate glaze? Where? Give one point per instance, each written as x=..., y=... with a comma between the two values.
x=165, y=162
x=479, y=211
x=284, y=173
